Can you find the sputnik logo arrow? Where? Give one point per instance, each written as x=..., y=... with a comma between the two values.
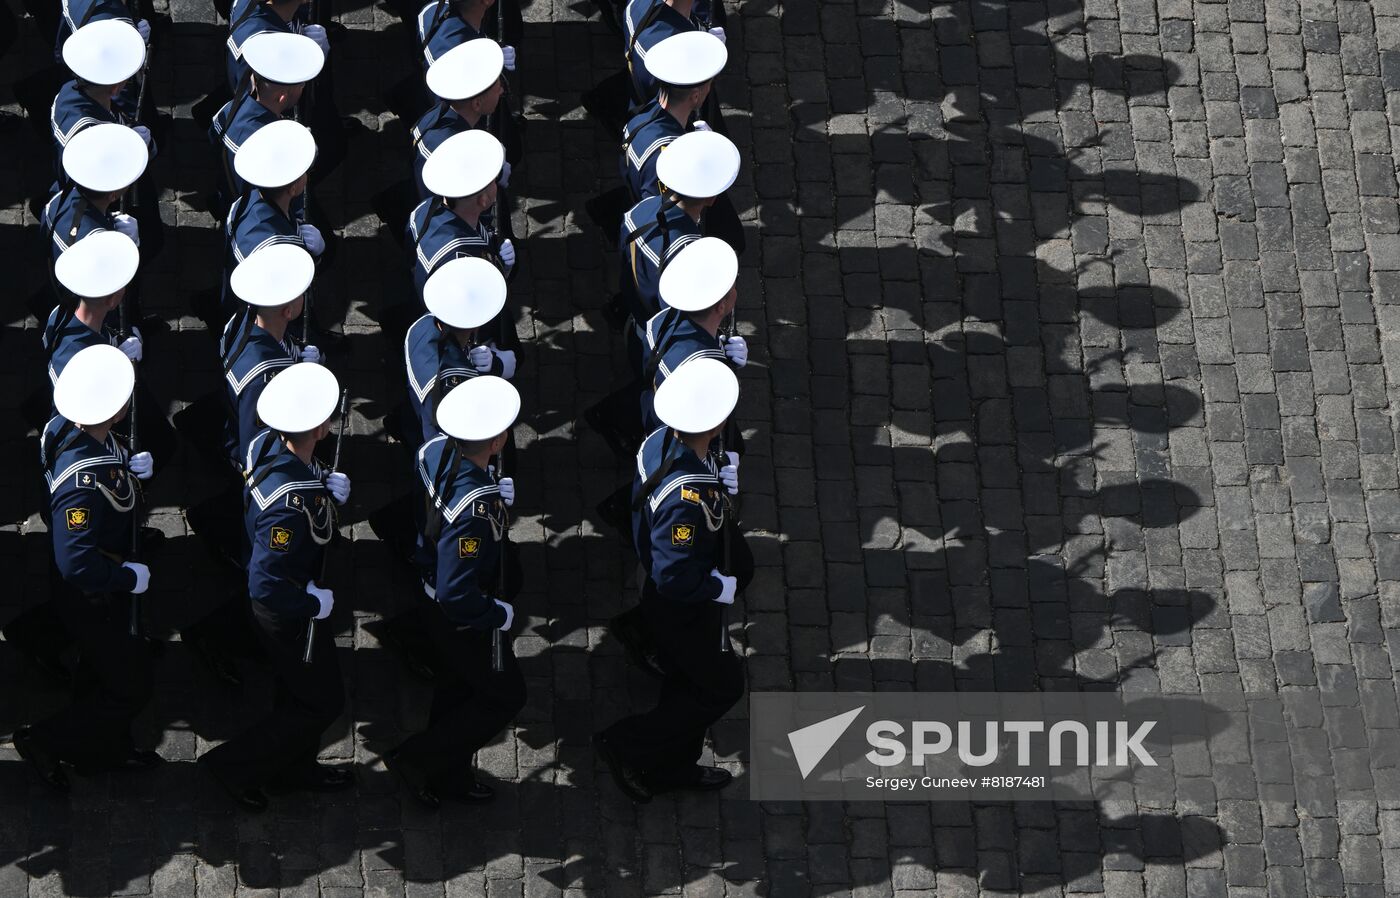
x=811, y=743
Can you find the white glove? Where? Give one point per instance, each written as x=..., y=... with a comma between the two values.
x=143, y=576
x=143, y=28
x=509, y=53
x=507, y=487
x=310, y=353
x=141, y=464
x=510, y=614
x=145, y=134
x=727, y=587
x=325, y=597
x=702, y=125
x=131, y=346
x=729, y=475
x=318, y=34
x=737, y=348
x=312, y=238
x=339, y=485
x=504, y=179
x=507, y=357
x=508, y=253
x=480, y=357
x=718, y=32
x=127, y=225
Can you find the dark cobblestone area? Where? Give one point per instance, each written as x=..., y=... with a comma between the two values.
x=1075, y=330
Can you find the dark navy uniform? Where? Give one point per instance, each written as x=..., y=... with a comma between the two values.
x=643, y=139
x=648, y=23
x=646, y=254
x=436, y=125
x=77, y=13
x=471, y=702
x=65, y=336
x=680, y=526
x=670, y=339
x=69, y=217
x=254, y=222
x=72, y=111
x=289, y=522
x=234, y=123
x=437, y=235
x=91, y=498
x=247, y=18
x=440, y=29
x=251, y=359
x=436, y=363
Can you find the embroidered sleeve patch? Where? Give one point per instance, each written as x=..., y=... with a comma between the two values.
x=77, y=518
x=690, y=495
x=279, y=539
x=294, y=500
x=468, y=547
x=682, y=535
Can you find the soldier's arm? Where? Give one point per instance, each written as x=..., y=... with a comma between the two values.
x=283, y=560
x=682, y=552
x=461, y=548
x=75, y=550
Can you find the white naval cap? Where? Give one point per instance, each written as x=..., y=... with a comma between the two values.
x=273, y=275
x=99, y=265
x=94, y=385
x=692, y=57
x=698, y=396
x=699, y=164
x=299, y=398
x=465, y=292
x=481, y=408
x=463, y=165
x=105, y=158
x=276, y=154
x=466, y=70
x=700, y=275
x=283, y=56
x=105, y=52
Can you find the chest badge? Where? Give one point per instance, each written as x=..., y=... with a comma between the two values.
x=468, y=547
x=280, y=539
x=682, y=535
x=77, y=518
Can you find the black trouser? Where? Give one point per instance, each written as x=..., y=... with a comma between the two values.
x=39, y=631
x=472, y=703
x=283, y=745
x=111, y=686
x=701, y=684
x=738, y=565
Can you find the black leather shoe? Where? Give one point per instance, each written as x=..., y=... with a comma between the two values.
x=415, y=779
x=248, y=798
x=625, y=630
x=628, y=779
x=38, y=756
x=464, y=788
x=320, y=778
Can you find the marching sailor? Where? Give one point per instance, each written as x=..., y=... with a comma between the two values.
x=100, y=162
x=467, y=83
x=290, y=519
x=685, y=533
x=102, y=56
x=248, y=18
x=648, y=23
x=475, y=695
x=92, y=494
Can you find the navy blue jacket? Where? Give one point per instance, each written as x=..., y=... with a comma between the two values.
x=68, y=217
x=678, y=526
x=91, y=497
x=450, y=32
x=664, y=23
x=642, y=256
x=258, y=359
x=77, y=13
x=289, y=520
x=73, y=337
x=436, y=363
x=443, y=235
x=643, y=139
x=473, y=520
x=244, y=23
x=234, y=123
x=435, y=126
x=679, y=340
x=71, y=112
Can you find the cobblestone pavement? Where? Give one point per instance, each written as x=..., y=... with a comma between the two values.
x=1075, y=332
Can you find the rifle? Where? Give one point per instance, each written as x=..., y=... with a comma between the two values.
x=729, y=505
x=140, y=109
x=498, y=660
x=325, y=555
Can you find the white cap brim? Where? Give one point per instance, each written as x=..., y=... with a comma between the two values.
x=466, y=70
x=698, y=165
x=105, y=52
x=481, y=408
x=698, y=396
x=105, y=158
x=99, y=265
x=689, y=58
x=283, y=57
x=276, y=154
x=300, y=398
x=273, y=276
x=463, y=165
x=95, y=385
x=700, y=275
x=465, y=292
